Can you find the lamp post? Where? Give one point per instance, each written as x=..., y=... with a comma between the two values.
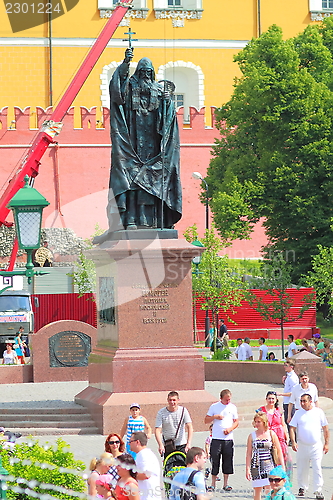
x=197, y=175
x=196, y=261
x=27, y=206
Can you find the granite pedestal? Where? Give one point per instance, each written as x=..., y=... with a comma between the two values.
x=145, y=346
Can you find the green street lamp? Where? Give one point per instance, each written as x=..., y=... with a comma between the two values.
x=196, y=260
x=27, y=206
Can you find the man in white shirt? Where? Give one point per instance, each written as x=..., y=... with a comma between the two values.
x=173, y=422
x=224, y=416
x=263, y=349
x=292, y=349
x=304, y=387
x=148, y=467
x=248, y=350
x=309, y=421
x=239, y=344
x=290, y=379
x=244, y=351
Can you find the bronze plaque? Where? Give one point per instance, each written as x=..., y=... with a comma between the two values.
x=69, y=348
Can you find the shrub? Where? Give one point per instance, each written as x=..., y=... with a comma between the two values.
x=43, y=464
x=232, y=343
x=220, y=355
x=298, y=342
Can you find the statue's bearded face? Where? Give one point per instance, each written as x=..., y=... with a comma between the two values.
x=145, y=78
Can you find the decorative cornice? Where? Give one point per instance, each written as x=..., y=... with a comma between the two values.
x=319, y=16
x=130, y=14
x=179, y=43
x=178, y=16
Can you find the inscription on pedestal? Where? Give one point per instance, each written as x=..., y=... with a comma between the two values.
x=69, y=348
x=154, y=302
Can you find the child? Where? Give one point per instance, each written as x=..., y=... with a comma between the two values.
x=134, y=423
x=207, y=451
x=103, y=488
x=99, y=467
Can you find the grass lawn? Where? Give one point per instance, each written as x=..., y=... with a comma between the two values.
x=326, y=327
x=254, y=343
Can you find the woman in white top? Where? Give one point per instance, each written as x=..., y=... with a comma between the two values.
x=99, y=467
x=259, y=454
x=9, y=356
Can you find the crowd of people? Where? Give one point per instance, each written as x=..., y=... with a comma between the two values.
x=16, y=352
x=243, y=351
x=128, y=468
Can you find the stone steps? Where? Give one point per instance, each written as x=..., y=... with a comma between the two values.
x=71, y=419
x=55, y=431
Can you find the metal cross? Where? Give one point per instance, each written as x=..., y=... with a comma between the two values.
x=130, y=39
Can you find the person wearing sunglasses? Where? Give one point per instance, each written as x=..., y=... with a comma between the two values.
x=116, y=446
x=279, y=484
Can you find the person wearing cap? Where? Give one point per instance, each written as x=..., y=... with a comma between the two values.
x=134, y=423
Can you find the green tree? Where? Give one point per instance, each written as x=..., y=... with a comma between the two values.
x=321, y=278
x=276, y=305
x=84, y=274
x=42, y=470
x=275, y=155
x=215, y=283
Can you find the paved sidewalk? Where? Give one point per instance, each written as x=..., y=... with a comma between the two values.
x=86, y=447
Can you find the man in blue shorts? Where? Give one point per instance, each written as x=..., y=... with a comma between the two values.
x=191, y=477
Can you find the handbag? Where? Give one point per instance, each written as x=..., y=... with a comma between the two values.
x=274, y=452
x=170, y=444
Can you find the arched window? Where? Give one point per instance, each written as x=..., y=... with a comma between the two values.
x=189, y=81
x=106, y=76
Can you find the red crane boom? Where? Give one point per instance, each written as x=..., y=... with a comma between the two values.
x=52, y=127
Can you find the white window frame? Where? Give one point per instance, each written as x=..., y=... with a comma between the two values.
x=109, y=5
x=185, y=4
x=325, y=9
x=317, y=11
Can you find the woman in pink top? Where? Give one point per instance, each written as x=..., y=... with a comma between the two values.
x=277, y=424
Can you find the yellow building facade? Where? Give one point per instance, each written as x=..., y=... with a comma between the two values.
x=191, y=42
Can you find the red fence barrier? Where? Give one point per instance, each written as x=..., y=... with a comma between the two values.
x=248, y=322
x=53, y=307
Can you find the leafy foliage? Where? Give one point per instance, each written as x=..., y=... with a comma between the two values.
x=321, y=278
x=275, y=155
x=84, y=274
x=221, y=354
x=214, y=282
x=26, y=461
x=277, y=304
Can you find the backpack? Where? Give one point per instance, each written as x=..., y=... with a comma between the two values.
x=186, y=494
